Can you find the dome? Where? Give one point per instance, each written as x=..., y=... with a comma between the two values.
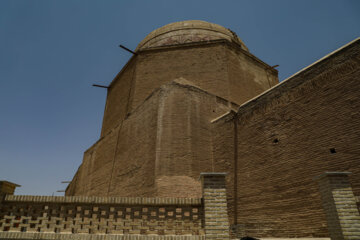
x=188, y=32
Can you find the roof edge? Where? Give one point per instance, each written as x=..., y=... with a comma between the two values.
x=305, y=69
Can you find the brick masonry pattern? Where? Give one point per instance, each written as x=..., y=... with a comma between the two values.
x=144, y=216
x=51, y=236
x=340, y=205
x=284, y=139
x=215, y=204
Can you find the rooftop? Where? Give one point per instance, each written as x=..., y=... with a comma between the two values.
x=188, y=32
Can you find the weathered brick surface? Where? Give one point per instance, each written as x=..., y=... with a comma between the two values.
x=284, y=139
x=218, y=68
x=119, y=97
x=171, y=131
x=272, y=147
x=247, y=78
x=107, y=218
x=116, y=163
x=339, y=203
x=190, y=31
x=100, y=215
x=7, y=187
x=161, y=148
x=215, y=206
x=51, y=236
x=224, y=157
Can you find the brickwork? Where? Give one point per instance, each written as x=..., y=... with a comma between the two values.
x=120, y=92
x=305, y=126
x=54, y=236
x=7, y=187
x=218, y=67
x=162, y=128
x=91, y=215
x=173, y=145
x=188, y=32
x=211, y=66
x=108, y=218
x=339, y=203
x=215, y=205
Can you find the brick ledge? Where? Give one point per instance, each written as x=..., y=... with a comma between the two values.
x=104, y=200
x=58, y=236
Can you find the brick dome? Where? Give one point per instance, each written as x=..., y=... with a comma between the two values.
x=188, y=32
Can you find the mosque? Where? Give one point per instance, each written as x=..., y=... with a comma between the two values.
x=194, y=102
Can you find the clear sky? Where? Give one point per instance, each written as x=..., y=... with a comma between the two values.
x=51, y=52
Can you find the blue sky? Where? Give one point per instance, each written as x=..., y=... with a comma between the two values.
x=52, y=51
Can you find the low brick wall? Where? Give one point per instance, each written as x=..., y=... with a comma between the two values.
x=98, y=215
x=54, y=236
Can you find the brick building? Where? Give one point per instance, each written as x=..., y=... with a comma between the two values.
x=193, y=101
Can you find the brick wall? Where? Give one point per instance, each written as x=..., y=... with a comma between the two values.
x=304, y=127
x=161, y=148
x=225, y=157
x=144, y=128
x=218, y=67
x=108, y=218
x=119, y=97
x=215, y=205
x=95, y=215
x=52, y=236
x=339, y=204
x=115, y=164
x=247, y=77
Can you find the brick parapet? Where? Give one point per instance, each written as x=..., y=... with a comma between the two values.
x=340, y=205
x=97, y=215
x=80, y=217
x=215, y=206
x=51, y=236
x=104, y=200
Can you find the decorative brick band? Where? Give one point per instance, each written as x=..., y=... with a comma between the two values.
x=98, y=216
x=340, y=205
x=51, y=236
x=104, y=200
